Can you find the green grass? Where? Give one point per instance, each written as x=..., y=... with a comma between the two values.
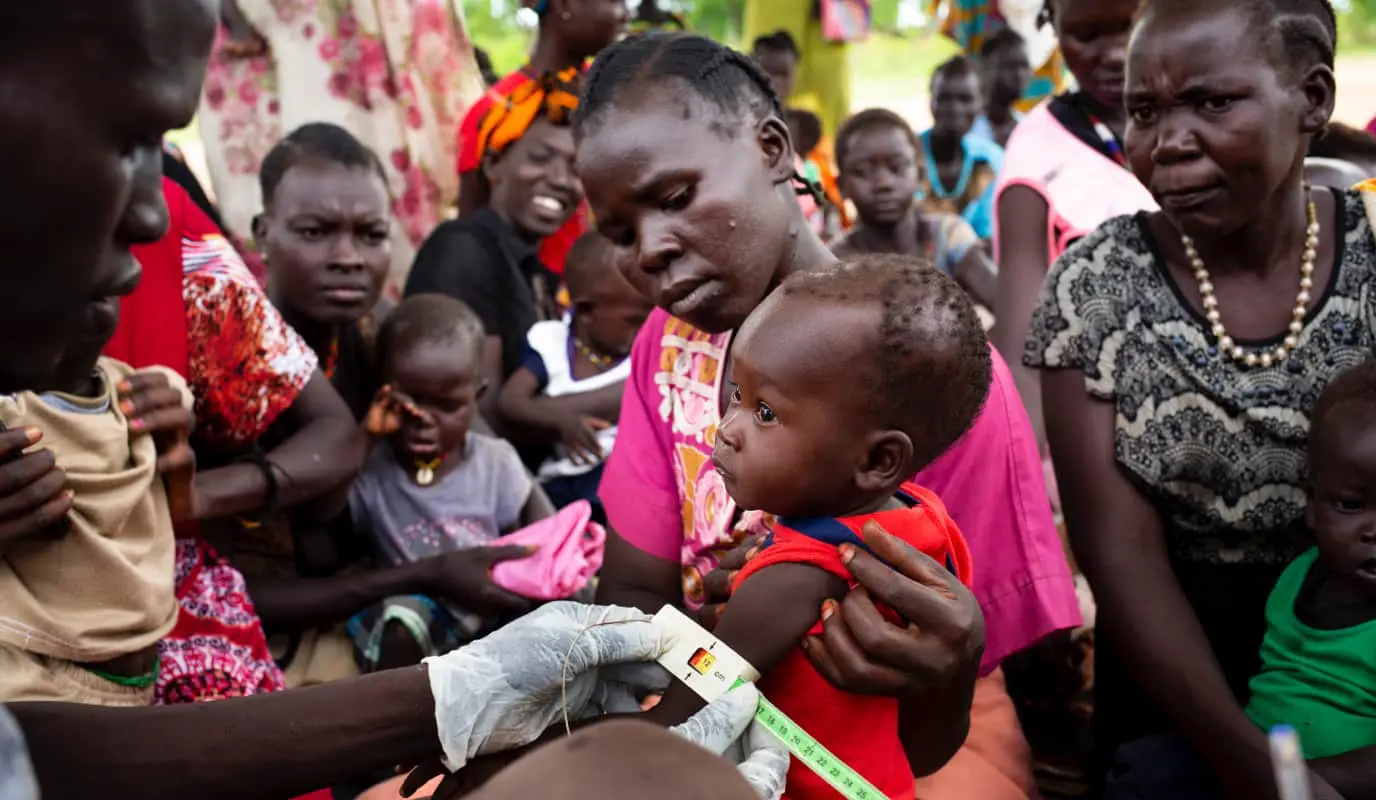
x=898, y=66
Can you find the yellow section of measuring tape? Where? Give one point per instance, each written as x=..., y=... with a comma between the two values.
x=816, y=757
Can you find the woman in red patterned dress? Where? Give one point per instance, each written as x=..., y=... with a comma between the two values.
x=199, y=311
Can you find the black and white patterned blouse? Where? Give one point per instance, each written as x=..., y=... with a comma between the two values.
x=1218, y=447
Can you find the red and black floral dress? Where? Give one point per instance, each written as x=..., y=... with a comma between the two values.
x=199, y=311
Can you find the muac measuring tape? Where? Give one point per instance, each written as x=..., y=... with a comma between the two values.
x=711, y=669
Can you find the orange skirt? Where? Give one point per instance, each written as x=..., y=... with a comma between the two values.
x=995, y=762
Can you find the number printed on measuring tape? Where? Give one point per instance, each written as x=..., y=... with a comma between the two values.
x=816, y=757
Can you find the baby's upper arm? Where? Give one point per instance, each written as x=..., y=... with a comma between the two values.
x=766, y=617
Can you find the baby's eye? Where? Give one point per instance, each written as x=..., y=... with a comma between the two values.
x=765, y=414
x=735, y=395
x=1347, y=505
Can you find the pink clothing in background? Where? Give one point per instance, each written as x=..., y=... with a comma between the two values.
x=1081, y=186
x=1371, y=126
x=569, y=548
x=663, y=496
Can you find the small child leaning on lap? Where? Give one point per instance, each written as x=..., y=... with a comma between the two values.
x=433, y=485
x=827, y=449
x=1319, y=655
x=575, y=370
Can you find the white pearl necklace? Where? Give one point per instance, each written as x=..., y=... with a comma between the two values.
x=1264, y=358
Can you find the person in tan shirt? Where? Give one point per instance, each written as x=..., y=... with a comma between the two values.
x=81, y=613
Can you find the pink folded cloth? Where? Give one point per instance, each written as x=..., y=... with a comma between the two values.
x=569, y=553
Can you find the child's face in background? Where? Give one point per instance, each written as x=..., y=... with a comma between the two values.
x=1342, y=508
x=1006, y=75
x=781, y=67
x=1093, y=37
x=610, y=315
x=795, y=431
x=956, y=101
x=443, y=380
x=881, y=174
x=326, y=235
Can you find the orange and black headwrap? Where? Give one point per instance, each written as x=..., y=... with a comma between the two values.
x=550, y=96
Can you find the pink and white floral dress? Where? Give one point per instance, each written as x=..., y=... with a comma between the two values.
x=398, y=74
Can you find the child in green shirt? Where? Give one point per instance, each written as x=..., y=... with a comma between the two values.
x=1319, y=655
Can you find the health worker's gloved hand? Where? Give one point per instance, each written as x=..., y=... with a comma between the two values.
x=728, y=728
x=505, y=689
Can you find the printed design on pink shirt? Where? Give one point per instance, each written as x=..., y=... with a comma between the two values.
x=690, y=364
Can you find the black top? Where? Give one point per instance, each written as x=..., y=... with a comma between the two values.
x=482, y=261
x=355, y=375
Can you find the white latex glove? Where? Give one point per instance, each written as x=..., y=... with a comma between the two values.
x=503, y=690
x=727, y=727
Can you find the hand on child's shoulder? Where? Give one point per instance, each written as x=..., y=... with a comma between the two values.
x=157, y=403
x=34, y=498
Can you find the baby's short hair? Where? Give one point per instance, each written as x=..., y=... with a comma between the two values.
x=427, y=319
x=587, y=261
x=927, y=369
x=1356, y=385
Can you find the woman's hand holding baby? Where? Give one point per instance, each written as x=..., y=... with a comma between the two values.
x=154, y=406
x=33, y=491
x=939, y=642
x=936, y=649
x=716, y=586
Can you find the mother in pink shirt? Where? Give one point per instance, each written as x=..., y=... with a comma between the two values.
x=688, y=167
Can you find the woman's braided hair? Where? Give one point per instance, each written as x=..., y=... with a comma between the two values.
x=724, y=77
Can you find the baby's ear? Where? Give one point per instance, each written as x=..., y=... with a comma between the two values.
x=888, y=456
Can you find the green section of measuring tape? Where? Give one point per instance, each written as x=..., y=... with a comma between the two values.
x=811, y=752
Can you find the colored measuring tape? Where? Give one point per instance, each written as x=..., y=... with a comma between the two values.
x=711, y=669
x=816, y=757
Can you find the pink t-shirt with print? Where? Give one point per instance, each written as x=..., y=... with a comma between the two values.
x=663, y=496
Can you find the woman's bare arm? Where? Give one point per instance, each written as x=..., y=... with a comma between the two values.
x=1352, y=774
x=1118, y=541
x=489, y=405
x=976, y=272
x=537, y=416
x=1022, y=268
x=632, y=577
x=323, y=455
x=282, y=744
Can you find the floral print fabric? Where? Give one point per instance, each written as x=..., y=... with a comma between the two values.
x=398, y=74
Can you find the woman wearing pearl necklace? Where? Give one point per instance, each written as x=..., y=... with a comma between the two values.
x=1182, y=351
